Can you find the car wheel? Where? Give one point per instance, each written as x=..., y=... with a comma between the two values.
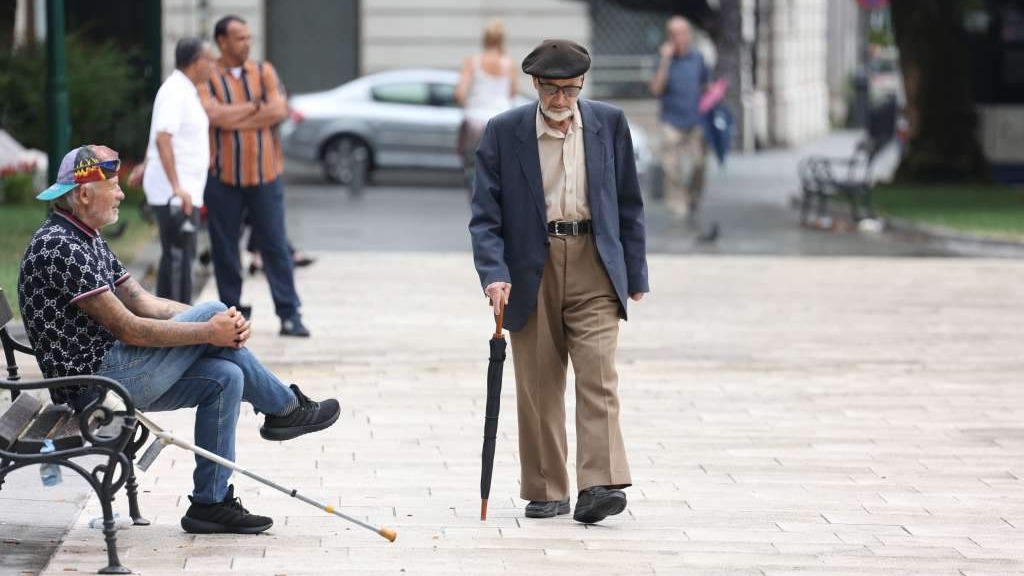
x=346, y=161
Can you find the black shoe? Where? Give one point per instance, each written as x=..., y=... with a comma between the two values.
x=308, y=417
x=227, y=517
x=597, y=503
x=294, y=327
x=303, y=261
x=538, y=509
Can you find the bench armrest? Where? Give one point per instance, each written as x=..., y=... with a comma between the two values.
x=102, y=382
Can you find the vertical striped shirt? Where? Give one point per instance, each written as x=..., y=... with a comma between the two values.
x=248, y=157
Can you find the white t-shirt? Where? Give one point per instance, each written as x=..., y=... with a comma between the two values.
x=178, y=111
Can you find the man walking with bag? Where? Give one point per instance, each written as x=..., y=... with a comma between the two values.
x=177, y=161
x=558, y=215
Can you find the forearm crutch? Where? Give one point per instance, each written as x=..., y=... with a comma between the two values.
x=163, y=438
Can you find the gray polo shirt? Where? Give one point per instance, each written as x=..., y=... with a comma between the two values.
x=687, y=76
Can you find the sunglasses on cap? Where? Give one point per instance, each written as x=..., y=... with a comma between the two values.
x=98, y=171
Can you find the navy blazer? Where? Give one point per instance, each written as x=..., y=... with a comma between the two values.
x=509, y=228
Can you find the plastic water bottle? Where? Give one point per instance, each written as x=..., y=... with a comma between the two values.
x=119, y=524
x=48, y=471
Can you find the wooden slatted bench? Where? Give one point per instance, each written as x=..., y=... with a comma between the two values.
x=99, y=430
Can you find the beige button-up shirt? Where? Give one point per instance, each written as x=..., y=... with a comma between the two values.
x=563, y=169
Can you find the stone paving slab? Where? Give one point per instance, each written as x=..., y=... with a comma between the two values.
x=784, y=417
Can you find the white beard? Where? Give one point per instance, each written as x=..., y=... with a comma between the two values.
x=556, y=116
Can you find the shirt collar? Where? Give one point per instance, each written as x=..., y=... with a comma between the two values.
x=180, y=76
x=69, y=220
x=544, y=128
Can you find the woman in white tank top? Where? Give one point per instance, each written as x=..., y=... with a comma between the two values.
x=485, y=89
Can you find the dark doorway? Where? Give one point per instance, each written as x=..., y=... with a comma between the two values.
x=315, y=48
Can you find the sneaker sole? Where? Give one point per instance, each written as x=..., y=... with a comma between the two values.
x=282, y=434
x=600, y=510
x=193, y=526
x=562, y=509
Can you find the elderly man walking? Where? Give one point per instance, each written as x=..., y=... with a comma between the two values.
x=558, y=237
x=679, y=83
x=244, y=102
x=177, y=161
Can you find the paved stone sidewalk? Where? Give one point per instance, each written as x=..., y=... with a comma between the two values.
x=796, y=417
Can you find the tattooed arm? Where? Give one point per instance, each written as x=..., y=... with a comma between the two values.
x=225, y=329
x=141, y=303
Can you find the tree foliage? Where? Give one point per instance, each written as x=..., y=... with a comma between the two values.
x=940, y=105
x=104, y=95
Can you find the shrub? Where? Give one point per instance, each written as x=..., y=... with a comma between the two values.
x=106, y=96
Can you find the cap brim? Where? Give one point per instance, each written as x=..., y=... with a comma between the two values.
x=55, y=191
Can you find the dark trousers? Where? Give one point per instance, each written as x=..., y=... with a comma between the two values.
x=265, y=206
x=178, y=251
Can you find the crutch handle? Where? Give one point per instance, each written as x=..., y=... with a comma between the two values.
x=388, y=533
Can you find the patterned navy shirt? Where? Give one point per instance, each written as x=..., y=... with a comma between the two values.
x=65, y=262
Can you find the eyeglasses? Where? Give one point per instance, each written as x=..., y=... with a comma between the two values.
x=552, y=89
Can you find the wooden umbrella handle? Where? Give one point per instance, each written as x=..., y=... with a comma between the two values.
x=499, y=319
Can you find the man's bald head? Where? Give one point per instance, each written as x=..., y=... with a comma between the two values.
x=679, y=34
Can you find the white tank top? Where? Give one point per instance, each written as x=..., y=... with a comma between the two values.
x=488, y=94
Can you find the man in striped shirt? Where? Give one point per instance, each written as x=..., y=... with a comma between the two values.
x=244, y=102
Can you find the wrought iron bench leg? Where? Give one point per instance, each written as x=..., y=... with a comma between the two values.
x=114, y=565
x=131, y=485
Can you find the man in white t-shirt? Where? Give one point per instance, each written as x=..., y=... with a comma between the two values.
x=177, y=162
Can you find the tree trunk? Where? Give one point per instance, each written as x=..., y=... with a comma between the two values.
x=8, y=9
x=940, y=105
x=730, y=59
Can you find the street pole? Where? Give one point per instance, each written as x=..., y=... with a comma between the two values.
x=57, y=115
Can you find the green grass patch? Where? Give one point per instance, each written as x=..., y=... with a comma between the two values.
x=996, y=211
x=19, y=221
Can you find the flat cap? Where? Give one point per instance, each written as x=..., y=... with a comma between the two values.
x=557, y=59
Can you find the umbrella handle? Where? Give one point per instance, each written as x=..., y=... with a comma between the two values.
x=499, y=319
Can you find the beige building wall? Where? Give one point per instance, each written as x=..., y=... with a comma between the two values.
x=797, y=92
x=186, y=18
x=441, y=33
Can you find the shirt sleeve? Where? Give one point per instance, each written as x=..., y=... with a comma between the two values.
x=120, y=273
x=271, y=83
x=168, y=113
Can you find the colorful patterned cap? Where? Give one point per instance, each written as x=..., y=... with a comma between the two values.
x=89, y=163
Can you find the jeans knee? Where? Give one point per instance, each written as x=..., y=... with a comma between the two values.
x=206, y=310
x=232, y=382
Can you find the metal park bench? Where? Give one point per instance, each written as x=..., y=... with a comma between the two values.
x=98, y=433
x=823, y=178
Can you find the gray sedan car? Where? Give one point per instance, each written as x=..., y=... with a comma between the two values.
x=396, y=119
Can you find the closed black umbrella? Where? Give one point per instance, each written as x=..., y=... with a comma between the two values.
x=494, y=370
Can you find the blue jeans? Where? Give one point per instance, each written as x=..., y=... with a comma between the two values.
x=214, y=380
x=265, y=206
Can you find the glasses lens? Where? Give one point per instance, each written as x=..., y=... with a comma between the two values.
x=548, y=89
x=571, y=91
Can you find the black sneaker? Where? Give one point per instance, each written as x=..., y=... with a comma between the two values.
x=227, y=517
x=597, y=503
x=294, y=327
x=309, y=417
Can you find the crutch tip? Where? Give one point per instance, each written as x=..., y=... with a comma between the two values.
x=388, y=533
x=483, y=509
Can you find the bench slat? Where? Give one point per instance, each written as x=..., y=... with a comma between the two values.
x=52, y=423
x=17, y=418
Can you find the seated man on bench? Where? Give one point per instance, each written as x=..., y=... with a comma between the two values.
x=84, y=314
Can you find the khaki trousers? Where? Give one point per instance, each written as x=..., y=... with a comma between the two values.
x=577, y=317
x=682, y=159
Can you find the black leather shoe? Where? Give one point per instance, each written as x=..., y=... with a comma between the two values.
x=294, y=327
x=538, y=509
x=597, y=503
